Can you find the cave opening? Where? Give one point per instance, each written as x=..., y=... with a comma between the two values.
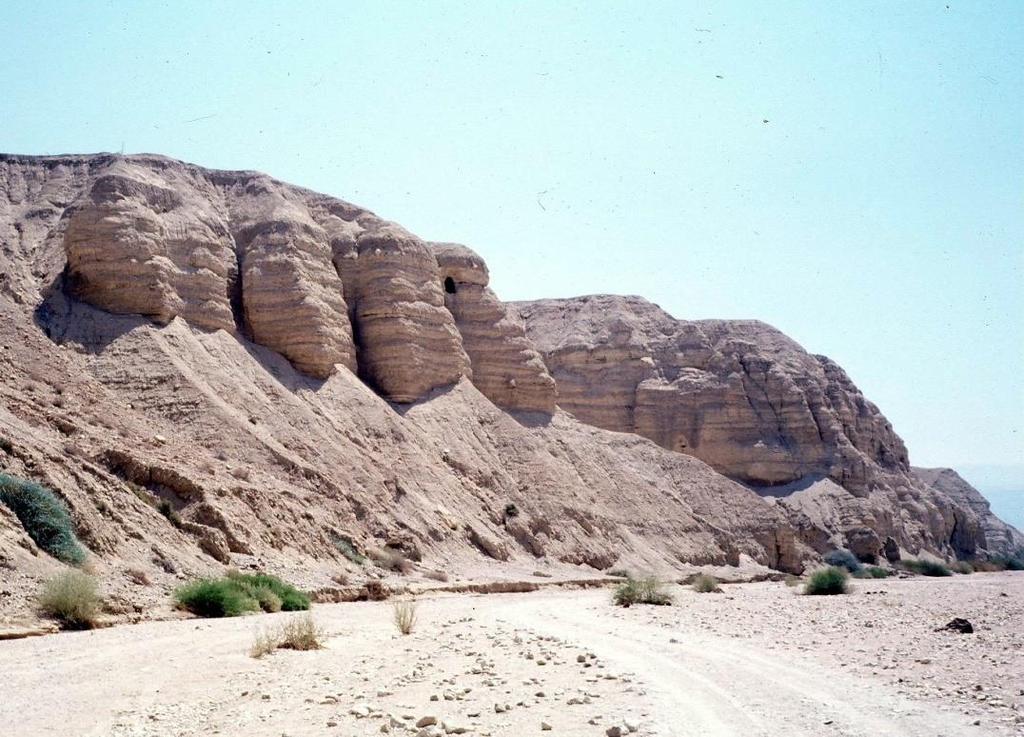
x=449, y=285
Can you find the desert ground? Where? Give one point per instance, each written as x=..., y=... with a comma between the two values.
x=757, y=659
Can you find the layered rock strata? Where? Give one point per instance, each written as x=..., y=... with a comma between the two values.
x=507, y=369
x=739, y=395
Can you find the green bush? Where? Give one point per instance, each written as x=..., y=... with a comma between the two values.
x=872, y=572
x=927, y=567
x=827, y=581
x=44, y=517
x=843, y=558
x=72, y=598
x=641, y=591
x=962, y=566
x=706, y=585
x=239, y=593
x=1010, y=562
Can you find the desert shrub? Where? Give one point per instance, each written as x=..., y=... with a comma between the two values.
x=405, y=616
x=706, y=585
x=215, y=597
x=44, y=517
x=391, y=560
x=872, y=572
x=827, y=581
x=346, y=548
x=641, y=591
x=6, y=446
x=297, y=633
x=341, y=578
x=790, y=580
x=961, y=566
x=72, y=598
x=436, y=576
x=258, y=585
x=164, y=507
x=843, y=558
x=511, y=510
x=619, y=573
x=239, y=593
x=1010, y=562
x=927, y=567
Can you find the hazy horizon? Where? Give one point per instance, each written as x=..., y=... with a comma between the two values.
x=849, y=174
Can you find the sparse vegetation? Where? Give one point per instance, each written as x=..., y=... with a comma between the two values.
x=164, y=507
x=790, y=580
x=297, y=633
x=872, y=572
x=962, y=567
x=391, y=560
x=44, y=517
x=926, y=567
x=641, y=591
x=827, y=581
x=72, y=598
x=843, y=558
x=511, y=510
x=1010, y=562
x=346, y=548
x=706, y=585
x=405, y=615
x=619, y=573
x=436, y=576
x=6, y=445
x=239, y=593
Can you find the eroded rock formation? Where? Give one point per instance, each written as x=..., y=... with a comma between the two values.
x=738, y=394
x=507, y=369
x=230, y=346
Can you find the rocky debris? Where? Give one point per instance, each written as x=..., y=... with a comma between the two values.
x=507, y=369
x=957, y=624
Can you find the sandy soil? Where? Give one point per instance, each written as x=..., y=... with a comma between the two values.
x=756, y=660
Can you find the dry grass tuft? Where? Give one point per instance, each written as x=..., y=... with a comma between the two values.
x=706, y=585
x=391, y=560
x=405, y=616
x=297, y=633
x=72, y=598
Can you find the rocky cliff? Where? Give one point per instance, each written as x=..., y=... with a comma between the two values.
x=216, y=367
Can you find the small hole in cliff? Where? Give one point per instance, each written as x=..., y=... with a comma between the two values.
x=449, y=285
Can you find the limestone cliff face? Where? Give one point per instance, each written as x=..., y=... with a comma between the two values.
x=999, y=537
x=409, y=341
x=507, y=369
x=758, y=408
x=183, y=316
x=149, y=242
x=739, y=395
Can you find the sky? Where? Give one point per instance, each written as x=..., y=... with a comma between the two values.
x=851, y=173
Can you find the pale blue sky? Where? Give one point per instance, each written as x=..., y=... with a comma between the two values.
x=877, y=216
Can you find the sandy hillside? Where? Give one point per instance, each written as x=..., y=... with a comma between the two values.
x=756, y=660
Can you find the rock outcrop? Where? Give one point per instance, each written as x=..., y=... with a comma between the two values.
x=408, y=340
x=507, y=369
x=739, y=395
x=998, y=538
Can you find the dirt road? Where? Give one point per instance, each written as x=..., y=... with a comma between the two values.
x=492, y=665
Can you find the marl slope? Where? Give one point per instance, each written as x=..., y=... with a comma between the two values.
x=218, y=368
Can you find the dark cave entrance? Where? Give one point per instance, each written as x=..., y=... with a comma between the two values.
x=449, y=285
